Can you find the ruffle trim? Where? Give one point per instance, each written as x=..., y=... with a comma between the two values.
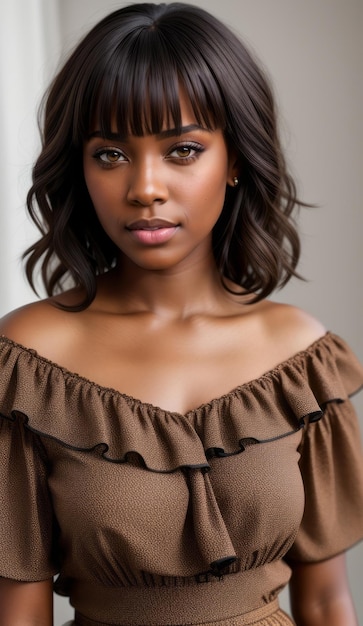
x=56, y=403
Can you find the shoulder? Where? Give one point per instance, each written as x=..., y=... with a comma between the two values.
x=41, y=326
x=297, y=326
x=288, y=329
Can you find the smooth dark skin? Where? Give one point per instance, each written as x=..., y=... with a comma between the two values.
x=26, y=604
x=163, y=324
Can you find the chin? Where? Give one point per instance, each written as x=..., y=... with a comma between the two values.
x=152, y=262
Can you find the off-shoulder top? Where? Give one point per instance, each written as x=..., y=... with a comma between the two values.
x=154, y=517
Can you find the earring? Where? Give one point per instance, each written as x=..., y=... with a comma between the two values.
x=235, y=181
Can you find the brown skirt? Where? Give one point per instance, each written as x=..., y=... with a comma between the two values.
x=269, y=615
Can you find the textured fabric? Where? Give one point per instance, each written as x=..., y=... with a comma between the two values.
x=170, y=519
x=268, y=615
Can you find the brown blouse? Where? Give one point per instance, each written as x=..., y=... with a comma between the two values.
x=153, y=517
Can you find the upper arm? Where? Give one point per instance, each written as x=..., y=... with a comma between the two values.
x=26, y=604
x=320, y=595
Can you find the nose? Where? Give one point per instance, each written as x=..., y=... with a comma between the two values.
x=147, y=184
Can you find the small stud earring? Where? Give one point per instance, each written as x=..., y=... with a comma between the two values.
x=235, y=181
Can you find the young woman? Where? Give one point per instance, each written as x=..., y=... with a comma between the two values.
x=173, y=444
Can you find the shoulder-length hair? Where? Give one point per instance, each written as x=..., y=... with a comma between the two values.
x=128, y=70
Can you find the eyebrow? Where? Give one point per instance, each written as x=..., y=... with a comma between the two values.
x=169, y=132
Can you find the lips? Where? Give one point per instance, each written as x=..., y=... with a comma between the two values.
x=151, y=224
x=153, y=231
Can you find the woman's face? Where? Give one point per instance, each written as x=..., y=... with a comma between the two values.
x=159, y=196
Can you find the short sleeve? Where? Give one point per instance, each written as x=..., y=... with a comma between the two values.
x=332, y=470
x=27, y=527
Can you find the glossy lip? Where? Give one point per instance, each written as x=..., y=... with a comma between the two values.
x=153, y=236
x=152, y=231
x=153, y=223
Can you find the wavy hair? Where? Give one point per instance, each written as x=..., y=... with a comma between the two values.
x=155, y=49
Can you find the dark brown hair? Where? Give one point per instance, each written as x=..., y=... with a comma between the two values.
x=153, y=49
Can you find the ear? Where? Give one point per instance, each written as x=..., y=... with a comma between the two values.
x=234, y=169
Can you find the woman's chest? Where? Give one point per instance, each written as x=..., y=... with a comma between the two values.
x=176, y=367
x=247, y=506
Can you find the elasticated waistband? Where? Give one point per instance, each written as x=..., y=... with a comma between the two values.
x=235, y=597
x=268, y=615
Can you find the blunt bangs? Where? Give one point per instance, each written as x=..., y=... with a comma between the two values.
x=135, y=87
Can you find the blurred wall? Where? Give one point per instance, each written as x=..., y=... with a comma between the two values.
x=29, y=51
x=313, y=51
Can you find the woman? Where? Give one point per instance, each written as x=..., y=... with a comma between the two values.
x=168, y=434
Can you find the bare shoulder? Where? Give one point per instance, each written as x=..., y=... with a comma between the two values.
x=41, y=326
x=289, y=329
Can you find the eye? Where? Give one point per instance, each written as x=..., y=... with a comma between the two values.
x=109, y=156
x=185, y=151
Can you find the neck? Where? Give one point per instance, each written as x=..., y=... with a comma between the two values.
x=175, y=294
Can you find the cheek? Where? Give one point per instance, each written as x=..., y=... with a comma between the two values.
x=213, y=191
x=215, y=175
x=93, y=188
x=205, y=188
x=103, y=192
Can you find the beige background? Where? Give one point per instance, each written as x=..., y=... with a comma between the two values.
x=313, y=51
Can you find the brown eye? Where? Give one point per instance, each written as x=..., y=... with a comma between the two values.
x=183, y=151
x=111, y=156
x=186, y=151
